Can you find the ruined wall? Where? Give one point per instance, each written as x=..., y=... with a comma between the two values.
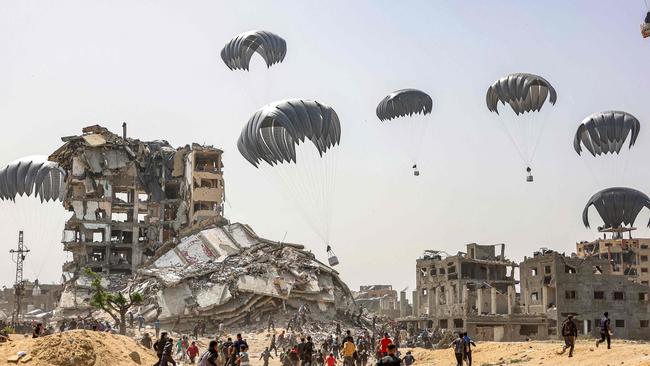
x=628, y=257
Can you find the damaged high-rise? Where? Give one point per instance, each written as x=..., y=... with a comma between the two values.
x=128, y=197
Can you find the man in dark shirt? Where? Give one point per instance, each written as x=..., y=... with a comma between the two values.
x=569, y=332
x=391, y=359
x=308, y=352
x=605, y=331
x=237, y=348
x=226, y=350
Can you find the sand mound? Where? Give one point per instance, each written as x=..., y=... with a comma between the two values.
x=80, y=348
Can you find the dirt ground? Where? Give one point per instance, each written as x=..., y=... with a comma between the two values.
x=87, y=348
x=543, y=353
x=78, y=348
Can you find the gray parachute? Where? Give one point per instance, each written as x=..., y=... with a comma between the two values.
x=405, y=102
x=606, y=132
x=616, y=206
x=523, y=92
x=273, y=132
x=237, y=53
x=34, y=174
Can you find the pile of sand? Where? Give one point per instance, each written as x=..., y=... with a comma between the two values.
x=79, y=348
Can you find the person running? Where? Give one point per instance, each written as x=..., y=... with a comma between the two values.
x=156, y=326
x=243, y=358
x=468, y=348
x=167, y=357
x=293, y=356
x=570, y=333
x=308, y=352
x=331, y=360
x=265, y=356
x=273, y=346
x=384, y=343
x=409, y=359
x=605, y=331
x=211, y=356
x=348, y=352
x=159, y=346
x=192, y=352
x=226, y=350
x=391, y=359
x=336, y=347
x=459, y=347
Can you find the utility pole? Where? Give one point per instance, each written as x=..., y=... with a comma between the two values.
x=18, y=286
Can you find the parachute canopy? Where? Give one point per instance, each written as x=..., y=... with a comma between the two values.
x=405, y=102
x=33, y=174
x=273, y=132
x=606, y=132
x=237, y=53
x=617, y=206
x=524, y=92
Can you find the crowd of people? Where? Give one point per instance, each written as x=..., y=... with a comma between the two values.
x=292, y=350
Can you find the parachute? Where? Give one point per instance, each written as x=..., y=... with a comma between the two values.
x=274, y=135
x=237, y=53
x=20, y=182
x=523, y=92
x=606, y=132
x=603, y=135
x=526, y=94
x=617, y=207
x=411, y=103
x=32, y=174
x=404, y=102
x=273, y=132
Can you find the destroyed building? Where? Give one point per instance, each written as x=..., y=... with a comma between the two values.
x=127, y=197
x=472, y=291
x=555, y=285
x=627, y=257
x=149, y=217
x=37, y=297
x=378, y=299
x=228, y=274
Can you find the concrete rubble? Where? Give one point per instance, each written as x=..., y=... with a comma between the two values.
x=228, y=274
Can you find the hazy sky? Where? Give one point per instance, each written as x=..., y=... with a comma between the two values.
x=156, y=65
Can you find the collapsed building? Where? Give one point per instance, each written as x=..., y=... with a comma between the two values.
x=472, y=291
x=556, y=286
x=228, y=274
x=149, y=217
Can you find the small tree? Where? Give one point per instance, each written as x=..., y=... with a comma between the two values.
x=115, y=304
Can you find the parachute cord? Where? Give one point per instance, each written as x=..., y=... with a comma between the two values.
x=512, y=140
x=544, y=119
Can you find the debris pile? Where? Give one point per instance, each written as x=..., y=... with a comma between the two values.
x=228, y=274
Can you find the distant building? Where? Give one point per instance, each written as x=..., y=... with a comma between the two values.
x=473, y=291
x=37, y=296
x=378, y=299
x=555, y=286
x=628, y=257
